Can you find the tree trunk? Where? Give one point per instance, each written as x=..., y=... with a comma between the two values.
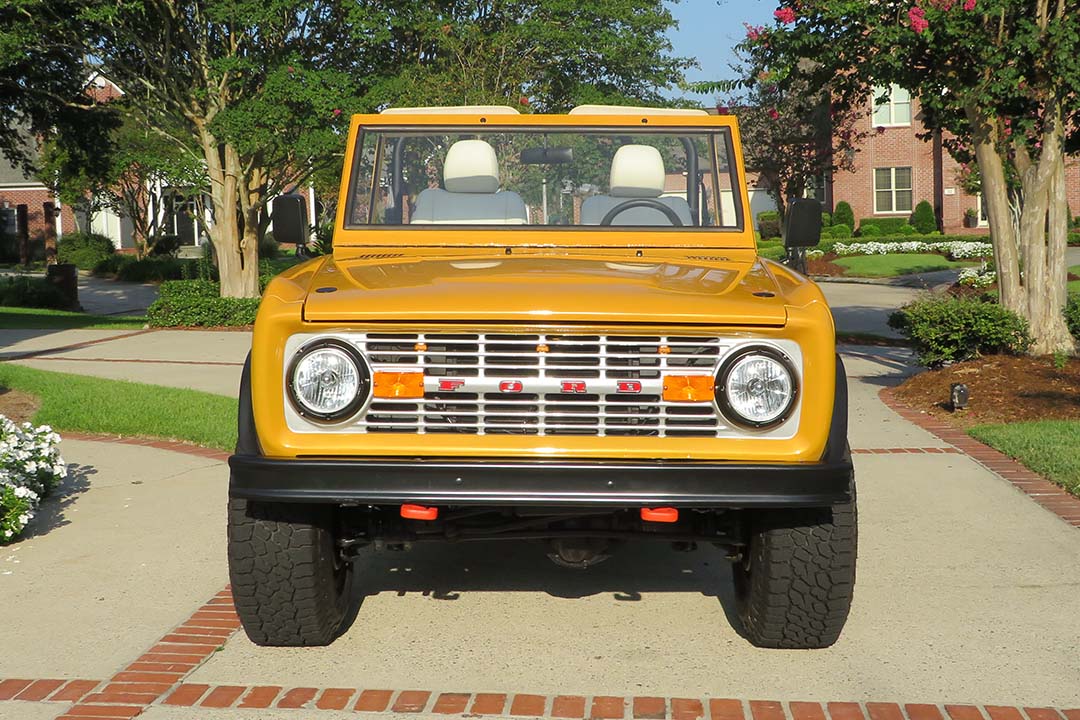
x=1046, y=267
x=998, y=212
x=237, y=258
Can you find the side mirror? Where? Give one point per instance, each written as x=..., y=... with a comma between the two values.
x=289, y=216
x=802, y=224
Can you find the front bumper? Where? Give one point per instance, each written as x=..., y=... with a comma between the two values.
x=537, y=483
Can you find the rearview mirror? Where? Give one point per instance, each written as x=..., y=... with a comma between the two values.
x=546, y=156
x=802, y=224
x=289, y=216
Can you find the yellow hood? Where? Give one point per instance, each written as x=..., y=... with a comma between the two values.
x=544, y=288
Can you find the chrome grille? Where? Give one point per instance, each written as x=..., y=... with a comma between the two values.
x=479, y=363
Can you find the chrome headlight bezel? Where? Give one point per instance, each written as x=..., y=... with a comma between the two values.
x=363, y=387
x=723, y=403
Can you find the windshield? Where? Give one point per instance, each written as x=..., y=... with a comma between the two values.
x=675, y=180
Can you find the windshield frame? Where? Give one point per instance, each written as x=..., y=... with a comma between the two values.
x=720, y=131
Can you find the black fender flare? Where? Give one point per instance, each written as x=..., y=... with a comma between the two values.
x=247, y=439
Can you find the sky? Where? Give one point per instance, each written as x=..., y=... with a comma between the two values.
x=708, y=29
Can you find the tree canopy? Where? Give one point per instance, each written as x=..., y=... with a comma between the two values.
x=261, y=90
x=1000, y=77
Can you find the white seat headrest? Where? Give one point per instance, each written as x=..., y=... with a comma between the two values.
x=471, y=167
x=637, y=171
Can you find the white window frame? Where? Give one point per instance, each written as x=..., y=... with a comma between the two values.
x=890, y=105
x=980, y=209
x=893, y=189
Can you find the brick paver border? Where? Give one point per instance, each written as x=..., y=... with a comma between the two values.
x=156, y=677
x=1049, y=496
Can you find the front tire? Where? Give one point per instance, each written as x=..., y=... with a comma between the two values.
x=289, y=584
x=793, y=589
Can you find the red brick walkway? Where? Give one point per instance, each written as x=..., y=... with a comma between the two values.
x=156, y=677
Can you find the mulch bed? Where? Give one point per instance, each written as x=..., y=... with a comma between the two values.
x=1002, y=388
x=825, y=266
x=17, y=406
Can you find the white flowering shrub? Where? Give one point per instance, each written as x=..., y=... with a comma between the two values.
x=30, y=467
x=977, y=277
x=957, y=250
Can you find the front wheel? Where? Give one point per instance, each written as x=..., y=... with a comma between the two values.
x=794, y=586
x=289, y=584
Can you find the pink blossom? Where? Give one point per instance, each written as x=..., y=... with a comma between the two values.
x=785, y=15
x=722, y=110
x=917, y=17
x=774, y=114
x=753, y=32
x=969, y=5
x=523, y=100
x=337, y=111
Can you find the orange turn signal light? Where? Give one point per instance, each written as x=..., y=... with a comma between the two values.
x=689, y=388
x=660, y=514
x=419, y=512
x=399, y=385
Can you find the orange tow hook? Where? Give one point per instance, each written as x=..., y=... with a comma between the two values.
x=661, y=514
x=419, y=512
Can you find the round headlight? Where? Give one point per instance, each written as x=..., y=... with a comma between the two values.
x=756, y=388
x=328, y=380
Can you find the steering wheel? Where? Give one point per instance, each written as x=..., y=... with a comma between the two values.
x=642, y=202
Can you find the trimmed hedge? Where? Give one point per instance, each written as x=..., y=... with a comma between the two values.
x=197, y=303
x=31, y=292
x=769, y=224
x=154, y=268
x=1072, y=315
x=884, y=225
x=947, y=330
x=1074, y=238
x=869, y=231
x=84, y=250
x=837, y=232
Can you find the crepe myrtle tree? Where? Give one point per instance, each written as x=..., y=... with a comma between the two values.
x=999, y=75
x=795, y=130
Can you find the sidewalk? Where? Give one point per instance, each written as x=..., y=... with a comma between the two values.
x=966, y=594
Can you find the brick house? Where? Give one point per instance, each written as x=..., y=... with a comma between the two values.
x=895, y=170
x=17, y=189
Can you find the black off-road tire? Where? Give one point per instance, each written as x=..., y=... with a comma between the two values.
x=289, y=585
x=793, y=588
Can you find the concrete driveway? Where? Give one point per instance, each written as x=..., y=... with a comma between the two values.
x=966, y=594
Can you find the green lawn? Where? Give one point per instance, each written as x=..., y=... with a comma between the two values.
x=117, y=407
x=898, y=264
x=17, y=318
x=1049, y=447
x=1074, y=285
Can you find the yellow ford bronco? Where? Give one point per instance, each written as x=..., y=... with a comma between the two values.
x=552, y=328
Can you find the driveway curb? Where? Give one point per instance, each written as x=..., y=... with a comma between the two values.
x=1042, y=491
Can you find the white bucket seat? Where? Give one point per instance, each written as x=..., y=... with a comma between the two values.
x=472, y=195
x=637, y=171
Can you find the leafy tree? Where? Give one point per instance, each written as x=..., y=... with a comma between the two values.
x=142, y=163
x=42, y=89
x=795, y=130
x=999, y=76
x=542, y=55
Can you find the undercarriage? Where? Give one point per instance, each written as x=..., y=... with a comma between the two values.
x=576, y=537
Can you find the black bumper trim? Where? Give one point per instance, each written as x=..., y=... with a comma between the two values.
x=580, y=483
